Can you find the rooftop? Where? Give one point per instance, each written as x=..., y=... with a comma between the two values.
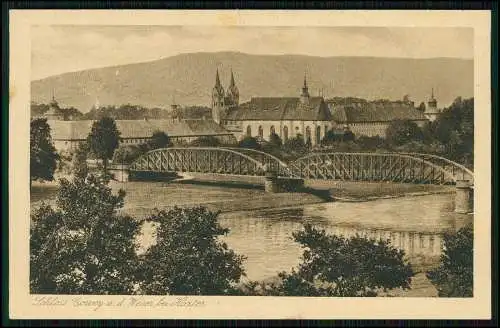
x=376, y=112
x=281, y=108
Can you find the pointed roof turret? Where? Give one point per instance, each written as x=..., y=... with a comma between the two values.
x=218, y=86
x=232, y=84
x=53, y=102
x=305, y=91
x=233, y=89
x=217, y=79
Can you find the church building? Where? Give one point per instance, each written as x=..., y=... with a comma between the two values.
x=287, y=117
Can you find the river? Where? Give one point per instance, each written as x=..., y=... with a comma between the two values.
x=414, y=224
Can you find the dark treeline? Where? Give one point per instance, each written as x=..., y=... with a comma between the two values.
x=125, y=112
x=451, y=135
x=68, y=113
x=192, y=112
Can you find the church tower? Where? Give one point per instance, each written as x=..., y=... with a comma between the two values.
x=233, y=94
x=432, y=112
x=432, y=103
x=304, y=96
x=217, y=100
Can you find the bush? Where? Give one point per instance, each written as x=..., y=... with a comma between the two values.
x=455, y=275
x=83, y=246
x=345, y=267
x=188, y=258
x=249, y=142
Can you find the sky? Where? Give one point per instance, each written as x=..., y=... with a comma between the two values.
x=57, y=49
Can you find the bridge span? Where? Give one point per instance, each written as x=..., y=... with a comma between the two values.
x=344, y=166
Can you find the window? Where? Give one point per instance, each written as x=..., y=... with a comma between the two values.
x=271, y=130
x=308, y=134
x=285, y=133
x=318, y=134
x=261, y=131
x=249, y=131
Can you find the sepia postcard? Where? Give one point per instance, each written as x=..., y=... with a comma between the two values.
x=249, y=164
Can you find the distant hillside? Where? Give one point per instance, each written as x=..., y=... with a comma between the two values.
x=190, y=78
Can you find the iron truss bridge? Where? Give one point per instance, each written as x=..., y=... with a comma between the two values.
x=389, y=167
x=218, y=160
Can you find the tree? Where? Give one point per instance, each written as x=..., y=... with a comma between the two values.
x=79, y=161
x=296, y=144
x=421, y=107
x=455, y=129
x=348, y=136
x=70, y=113
x=159, y=139
x=371, y=143
x=103, y=139
x=188, y=258
x=206, y=141
x=83, y=246
x=275, y=140
x=38, y=109
x=43, y=156
x=455, y=275
x=400, y=132
x=331, y=137
x=345, y=267
x=126, y=154
x=249, y=142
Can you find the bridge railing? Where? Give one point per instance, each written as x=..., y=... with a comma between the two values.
x=459, y=171
x=198, y=159
x=271, y=162
x=362, y=166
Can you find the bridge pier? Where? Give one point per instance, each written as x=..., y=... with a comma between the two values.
x=271, y=183
x=120, y=174
x=274, y=184
x=464, y=197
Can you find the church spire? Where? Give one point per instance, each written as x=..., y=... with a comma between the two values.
x=232, y=84
x=304, y=96
x=217, y=79
x=233, y=94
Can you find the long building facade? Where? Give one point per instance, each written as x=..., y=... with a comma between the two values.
x=67, y=135
x=372, y=118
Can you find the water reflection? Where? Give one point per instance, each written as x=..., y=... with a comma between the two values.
x=414, y=224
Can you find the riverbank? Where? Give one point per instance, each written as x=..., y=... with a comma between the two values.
x=356, y=191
